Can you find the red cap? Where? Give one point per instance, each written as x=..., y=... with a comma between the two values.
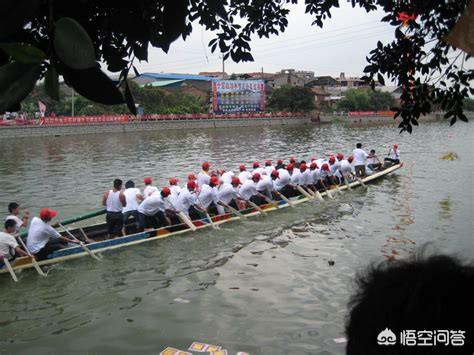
x=280, y=162
x=292, y=160
x=350, y=159
x=340, y=156
x=395, y=146
x=268, y=162
x=205, y=165
x=46, y=213
x=242, y=167
x=256, y=165
x=148, y=180
x=332, y=159
x=235, y=181
x=275, y=173
x=325, y=166
x=289, y=167
x=165, y=192
x=256, y=176
x=214, y=180
x=192, y=184
x=173, y=181
x=313, y=166
x=192, y=177
x=303, y=167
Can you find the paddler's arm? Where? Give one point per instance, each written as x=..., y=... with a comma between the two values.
x=21, y=252
x=104, y=198
x=122, y=198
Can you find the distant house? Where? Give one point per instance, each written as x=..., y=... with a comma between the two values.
x=286, y=77
x=215, y=74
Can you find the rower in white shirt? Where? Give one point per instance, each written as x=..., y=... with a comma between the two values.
x=203, y=176
x=295, y=174
x=208, y=198
x=315, y=175
x=346, y=168
x=306, y=178
x=228, y=193
x=149, y=188
x=325, y=174
x=9, y=247
x=248, y=191
x=334, y=166
x=360, y=160
x=152, y=210
x=43, y=239
x=244, y=174
x=282, y=182
x=227, y=176
x=394, y=155
x=14, y=209
x=188, y=202
x=265, y=185
x=132, y=200
x=257, y=168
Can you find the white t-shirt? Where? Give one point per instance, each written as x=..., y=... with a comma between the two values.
x=18, y=221
x=395, y=154
x=151, y=205
x=284, y=179
x=269, y=169
x=265, y=184
x=173, y=197
x=258, y=170
x=371, y=160
x=148, y=190
x=335, y=168
x=346, y=167
x=226, y=193
x=39, y=234
x=203, y=178
x=185, y=200
x=295, y=176
x=227, y=177
x=248, y=189
x=7, y=244
x=360, y=156
x=244, y=176
x=131, y=198
x=315, y=175
x=207, y=195
x=306, y=178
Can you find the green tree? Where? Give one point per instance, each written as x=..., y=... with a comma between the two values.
x=365, y=100
x=294, y=99
x=45, y=39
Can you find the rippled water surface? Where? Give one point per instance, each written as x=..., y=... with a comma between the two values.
x=263, y=285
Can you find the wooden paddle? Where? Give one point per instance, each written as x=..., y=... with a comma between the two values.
x=10, y=269
x=83, y=246
x=257, y=207
x=362, y=183
x=304, y=192
x=33, y=260
x=283, y=197
x=327, y=190
x=182, y=216
x=215, y=226
x=346, y=182
x=318, y=195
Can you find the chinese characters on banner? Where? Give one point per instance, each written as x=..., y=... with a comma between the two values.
x=229, y=96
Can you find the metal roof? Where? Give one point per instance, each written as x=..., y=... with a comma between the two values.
x=173, y=76
x=161, y=83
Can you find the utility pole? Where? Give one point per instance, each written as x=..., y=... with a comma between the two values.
x=223, y=67
x=262, y=74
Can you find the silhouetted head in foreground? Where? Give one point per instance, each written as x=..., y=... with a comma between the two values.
x=432, y=298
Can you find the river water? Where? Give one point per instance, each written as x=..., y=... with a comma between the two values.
x=262, y=286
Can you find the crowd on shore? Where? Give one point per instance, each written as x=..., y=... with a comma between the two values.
x=208, y=193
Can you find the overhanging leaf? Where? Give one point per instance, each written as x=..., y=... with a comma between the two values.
x=73, y=45
x=94, y=85
x=16, y=82
x=23, y=53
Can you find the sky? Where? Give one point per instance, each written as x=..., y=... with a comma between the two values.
x=341, y=46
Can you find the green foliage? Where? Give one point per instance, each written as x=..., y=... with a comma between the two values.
x=153, y=101
x=469, y=105
x=294, y=99
x=365, y=100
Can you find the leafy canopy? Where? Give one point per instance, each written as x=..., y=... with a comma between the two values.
x=366, y=100
x=293, y=99
x=48, y=38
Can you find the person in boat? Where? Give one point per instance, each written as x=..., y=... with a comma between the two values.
x=315, y=175
x=9, y=247
x=204, y=176
x=248, y=190
x=152, y=210
x=14, y=209
x=360, y=160
x=325, y=176
x=269, y=167
x=393, y=155
x=133, y=197
x=227, y=176
x=244, y=174
x=207, y=196
x=295, y=174
x=257, y=168
x=228, y=193
x=334, y=166
x=265, y=185
x=43, y=239
x=306, y=178
x=373, y=162
x=279, y=165
x=346, y=169
x=114, y=201
x=187, y=201
x=282, y=182
x=149, y=188
x=192, y=177
x=175, y=190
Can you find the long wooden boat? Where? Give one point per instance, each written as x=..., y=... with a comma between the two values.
x=98, y=231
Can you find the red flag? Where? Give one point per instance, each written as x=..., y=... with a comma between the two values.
x=42, y=107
